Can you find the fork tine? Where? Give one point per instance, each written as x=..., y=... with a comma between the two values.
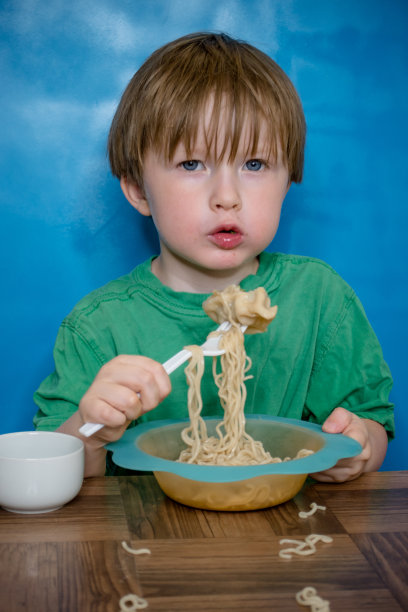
x=224, y=326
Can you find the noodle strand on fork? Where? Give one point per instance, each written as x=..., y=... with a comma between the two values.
x=231, y=445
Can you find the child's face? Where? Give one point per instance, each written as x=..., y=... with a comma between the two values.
x=213, y=219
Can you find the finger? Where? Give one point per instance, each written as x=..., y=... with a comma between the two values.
x=110, y=404
x=345, y=469
x=143, y=375
x=153, y=390
x=340, y=473
x=150, y=381
x=359, y=432
x=337, y=421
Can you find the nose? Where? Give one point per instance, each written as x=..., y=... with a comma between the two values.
x=225, y=193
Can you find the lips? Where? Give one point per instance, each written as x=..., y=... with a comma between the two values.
x=226, y=236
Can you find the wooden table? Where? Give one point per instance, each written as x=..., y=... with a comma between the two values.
x=72, y=559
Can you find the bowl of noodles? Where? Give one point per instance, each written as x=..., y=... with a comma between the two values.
x=237, y=462
x=298, y=448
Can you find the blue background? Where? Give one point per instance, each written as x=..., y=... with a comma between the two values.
x=65, y=226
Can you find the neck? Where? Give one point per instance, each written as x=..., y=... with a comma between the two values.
x=181, y=276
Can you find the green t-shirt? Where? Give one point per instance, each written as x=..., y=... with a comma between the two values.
x=318, y=353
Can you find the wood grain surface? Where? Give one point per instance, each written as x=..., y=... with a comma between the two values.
x=72, y=560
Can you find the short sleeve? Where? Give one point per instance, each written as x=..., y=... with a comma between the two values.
x=76, y=365
x=350, y=371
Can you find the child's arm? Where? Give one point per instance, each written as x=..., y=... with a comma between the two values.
x=372, y=437
x=124, y=388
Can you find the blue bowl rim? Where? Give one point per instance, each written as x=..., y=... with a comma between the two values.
x=128, y=454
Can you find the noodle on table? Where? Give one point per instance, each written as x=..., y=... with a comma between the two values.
x=135, y=551
x=308, y=597
x=303, y=547
x=313, y=508
x=132, y=602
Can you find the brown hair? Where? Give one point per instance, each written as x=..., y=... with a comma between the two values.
x=165, y=101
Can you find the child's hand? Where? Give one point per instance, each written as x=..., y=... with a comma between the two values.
x=124, y=388
x=370, y=434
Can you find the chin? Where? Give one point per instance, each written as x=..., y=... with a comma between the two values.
x=230, y=263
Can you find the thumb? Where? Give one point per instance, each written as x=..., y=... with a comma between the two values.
x=337, y=421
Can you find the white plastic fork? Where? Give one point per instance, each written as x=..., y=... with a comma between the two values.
x=210, y=348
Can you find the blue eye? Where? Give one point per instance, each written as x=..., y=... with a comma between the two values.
x=254, y=165
x=191, y=164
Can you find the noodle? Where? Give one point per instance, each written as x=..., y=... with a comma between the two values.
x=232, y=445
x=303, y=547
x=313, y=508
x=135, y=551
x=196, y=433
x=308, y=597
x=131, y=602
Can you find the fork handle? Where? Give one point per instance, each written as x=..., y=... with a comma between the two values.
x=174, y=362
x=89, y=429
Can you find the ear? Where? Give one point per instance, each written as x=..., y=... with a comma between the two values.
x=135, y=196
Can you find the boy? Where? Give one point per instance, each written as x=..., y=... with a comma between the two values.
x=207, y=139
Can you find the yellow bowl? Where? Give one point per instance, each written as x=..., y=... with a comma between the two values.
x=248, y=494
x=155, y=447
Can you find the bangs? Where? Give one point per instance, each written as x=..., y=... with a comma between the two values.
x=240, y=95
x=235, y=122
x=251, y=101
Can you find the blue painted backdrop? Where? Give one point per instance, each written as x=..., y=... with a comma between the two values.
x=65, y=227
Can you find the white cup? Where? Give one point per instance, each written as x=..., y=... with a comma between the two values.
x=40, y=471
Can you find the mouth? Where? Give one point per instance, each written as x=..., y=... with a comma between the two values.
x=226, y=236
